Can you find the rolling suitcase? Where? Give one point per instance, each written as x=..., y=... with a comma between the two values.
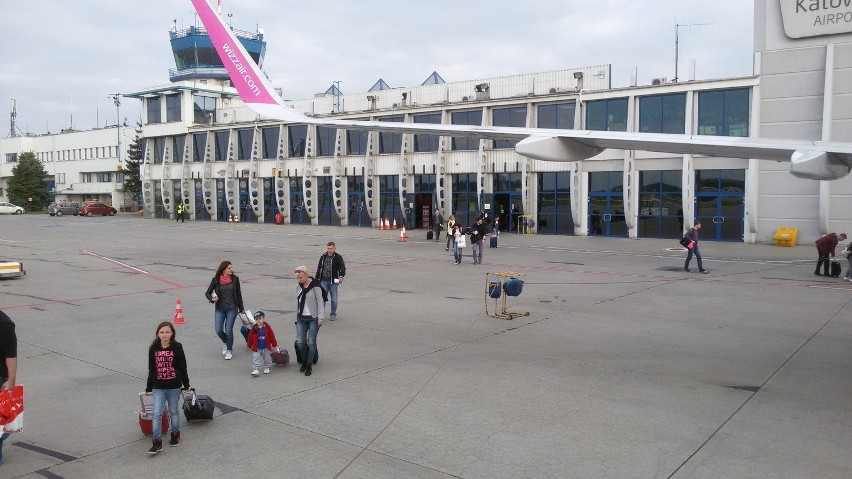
x=197, y=406
x=835, y=269
x=430, y=235
x=493, y=242
x=146, y=415
x=299, y=353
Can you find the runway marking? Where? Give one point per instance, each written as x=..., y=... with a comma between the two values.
x=134, y=269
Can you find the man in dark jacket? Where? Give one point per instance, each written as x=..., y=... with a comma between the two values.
x=476, y=239
x=330, y=272
x=825, y=247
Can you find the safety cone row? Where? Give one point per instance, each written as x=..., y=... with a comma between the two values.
x=178, y=319
x=394, y=224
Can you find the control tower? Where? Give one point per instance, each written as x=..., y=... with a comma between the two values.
x=195, y=57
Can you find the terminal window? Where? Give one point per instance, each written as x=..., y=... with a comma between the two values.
x=723, y=112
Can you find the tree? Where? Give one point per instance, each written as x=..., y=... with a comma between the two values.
x=132, y=174
x=29, y=181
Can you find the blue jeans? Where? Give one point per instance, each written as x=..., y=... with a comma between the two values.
x=331, y=287
x=457, y=252
x=161, y=396
x=697, y=257
x=307, y=328
x=225, y=326
x=477, y=251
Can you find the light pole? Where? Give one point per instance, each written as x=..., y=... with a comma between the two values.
x=116, y=98
x=337, y=95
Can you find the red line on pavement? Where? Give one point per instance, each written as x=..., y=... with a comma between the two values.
x=134, y=269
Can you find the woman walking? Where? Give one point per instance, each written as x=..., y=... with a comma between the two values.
x=166, y=374
x=224, y=292
x=459, y=242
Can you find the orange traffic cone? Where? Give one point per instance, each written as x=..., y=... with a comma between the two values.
x=230, y=218
x=178, y=319
x=394, y=224
x=387, y=224
x=402, y=235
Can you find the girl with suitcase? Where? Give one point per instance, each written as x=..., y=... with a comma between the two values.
x=166, y=374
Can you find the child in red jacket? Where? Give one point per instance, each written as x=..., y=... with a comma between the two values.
x=261, y=340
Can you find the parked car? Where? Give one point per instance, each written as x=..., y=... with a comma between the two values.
x=59, y=209
x=92, y=209
x=10, y=209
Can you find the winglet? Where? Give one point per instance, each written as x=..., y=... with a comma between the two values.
x=250, y=82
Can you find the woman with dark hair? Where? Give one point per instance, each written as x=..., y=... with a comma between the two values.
x=166, y=374
x=224, y=292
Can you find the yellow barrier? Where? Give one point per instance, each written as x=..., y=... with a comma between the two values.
x=785, y=236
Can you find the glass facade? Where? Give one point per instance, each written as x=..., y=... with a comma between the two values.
x=154, y=110
x=159, y=147
x=356, y=142
x=558, y=116
x=388, y=204
x=720, y=203
x=723, y=112
x=554, y=204
x=325, y=140
x=270, y=142
x=297, y=136
x=660, y=204
x=221, y=145
x=662, y=113
x=244, y=141
x=178, y=143
x=465, y=200
x=358, y=215
x=173, y=107
x=326, y=215
x=469, y=117
x=606, y=204
x=426, y=142
x=390, y=142
x=199, y=143
x=204, y=109
x=607, y=115
x=297, y=209
x=515, y=116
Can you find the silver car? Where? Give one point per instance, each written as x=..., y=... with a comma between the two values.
x=10, y=209
x=59, y=209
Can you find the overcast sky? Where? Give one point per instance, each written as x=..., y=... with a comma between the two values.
x=64, y=57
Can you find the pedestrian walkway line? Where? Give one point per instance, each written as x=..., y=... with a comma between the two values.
x=133, y=268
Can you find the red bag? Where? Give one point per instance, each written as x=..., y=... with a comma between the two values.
x=12, y=409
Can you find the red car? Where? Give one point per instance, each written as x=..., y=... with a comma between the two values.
x=91, y=209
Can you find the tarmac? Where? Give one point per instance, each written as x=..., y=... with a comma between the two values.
x=625, y=367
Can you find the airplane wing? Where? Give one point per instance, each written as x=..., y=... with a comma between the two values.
x=818, y=160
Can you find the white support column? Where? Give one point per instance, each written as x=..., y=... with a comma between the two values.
x=187, y=186
x=166, y=186
x=371, y=180
x=256, y=193
x=309, y=184
x=232, y=183
x=827, y=98
x=630, y=177
x=338, y=178
x=579, y=198
x=281, y=182
x=208, y=182
x=443, y=183
x=405, y=180
x=147, y=181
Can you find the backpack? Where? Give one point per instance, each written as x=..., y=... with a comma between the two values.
x=315, y=283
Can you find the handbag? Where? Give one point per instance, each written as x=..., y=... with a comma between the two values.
x=462, y=241
x=247, y=319
x=12, y=410
x=280, y=357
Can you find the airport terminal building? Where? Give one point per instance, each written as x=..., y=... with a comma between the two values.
x=203, y=147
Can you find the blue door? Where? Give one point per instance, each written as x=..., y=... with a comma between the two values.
x=720, y=204
x=606, y=204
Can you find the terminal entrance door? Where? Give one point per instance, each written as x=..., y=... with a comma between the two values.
x=720, y=204
x=606, y=204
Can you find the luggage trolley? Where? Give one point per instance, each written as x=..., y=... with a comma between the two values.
x=500, y=285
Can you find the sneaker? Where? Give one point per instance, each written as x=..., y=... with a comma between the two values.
x=255, y=373
x=332, y=317
x=265, y=370
x=175, y=440
x=224, y=350
x=156, y=447
x=704, y=271
x=228, y=355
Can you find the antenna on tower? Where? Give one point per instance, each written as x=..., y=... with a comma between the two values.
x=12, y=116
x=678, y=26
